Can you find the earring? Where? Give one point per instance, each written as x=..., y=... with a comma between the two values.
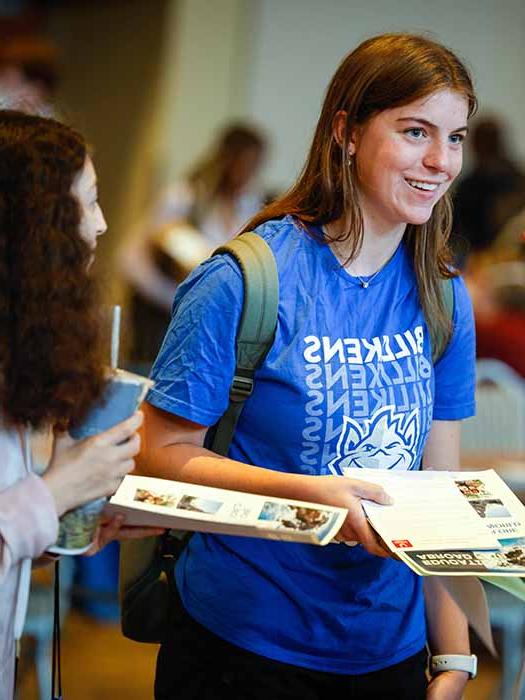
x=349, y=160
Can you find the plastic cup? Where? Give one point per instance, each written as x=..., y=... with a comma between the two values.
x=123, y=395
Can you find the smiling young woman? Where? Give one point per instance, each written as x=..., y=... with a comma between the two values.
x=384, y=73
x=360, y=243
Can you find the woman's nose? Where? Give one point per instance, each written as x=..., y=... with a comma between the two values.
x=102, y=226
x=437, y=156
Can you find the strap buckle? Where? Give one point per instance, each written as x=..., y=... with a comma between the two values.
x=241, y=387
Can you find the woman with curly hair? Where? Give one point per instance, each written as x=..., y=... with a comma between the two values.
x=51, y=368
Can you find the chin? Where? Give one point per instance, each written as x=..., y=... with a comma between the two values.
x=418, y=218
x=418, y=221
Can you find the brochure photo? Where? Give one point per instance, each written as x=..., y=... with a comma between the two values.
x=449, y=523
x=181, y=506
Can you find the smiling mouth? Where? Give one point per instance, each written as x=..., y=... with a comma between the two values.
x=423, y=186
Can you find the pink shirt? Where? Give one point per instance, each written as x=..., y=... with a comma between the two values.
x=28, y=524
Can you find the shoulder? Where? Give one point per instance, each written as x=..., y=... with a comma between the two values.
x=462, y=301
x=214, y=286
x=461, y=345
x=221, y=275
x=287, y=239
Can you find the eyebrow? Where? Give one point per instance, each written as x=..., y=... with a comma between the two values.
x=420, y=120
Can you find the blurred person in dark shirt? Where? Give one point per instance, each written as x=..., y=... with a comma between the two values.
x=490, y=194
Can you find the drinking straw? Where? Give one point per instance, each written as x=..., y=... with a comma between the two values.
x=115, y=336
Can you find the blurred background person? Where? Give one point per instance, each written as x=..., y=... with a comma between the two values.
x=28, y=73
x=510, y=241
x=497, y=290
x=190, y=219
x=491, y=193
x=490, y=219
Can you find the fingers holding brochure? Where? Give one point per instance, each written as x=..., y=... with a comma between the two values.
x=348, y=493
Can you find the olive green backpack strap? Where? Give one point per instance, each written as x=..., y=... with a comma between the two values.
x=146, y=583
x=256, y=328
x=439, y=341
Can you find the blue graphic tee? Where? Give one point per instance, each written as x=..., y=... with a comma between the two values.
x=348, y=382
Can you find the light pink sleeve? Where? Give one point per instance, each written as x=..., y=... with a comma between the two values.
x=28, y=521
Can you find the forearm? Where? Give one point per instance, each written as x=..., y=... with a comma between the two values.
x=446, y=622
x=442, y=446
x=194, y=464
x=172, y=448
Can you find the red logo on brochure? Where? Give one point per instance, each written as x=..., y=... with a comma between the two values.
x=402, y=544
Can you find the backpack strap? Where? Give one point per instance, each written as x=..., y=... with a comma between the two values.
x=256, y=328
x=439, y=341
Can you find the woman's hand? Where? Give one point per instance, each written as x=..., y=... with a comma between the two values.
x=348, y=493
x=83, y=470
x=113, y=529
x=449, y=685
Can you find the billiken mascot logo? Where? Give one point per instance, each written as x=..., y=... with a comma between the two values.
x=385, y=441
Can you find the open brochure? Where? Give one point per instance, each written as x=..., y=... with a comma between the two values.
x=449, y=523
x=181, y=506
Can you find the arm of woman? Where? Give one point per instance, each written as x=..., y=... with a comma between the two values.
x=28, y=521
x=447, y=624
x=78, y=472
x=172, y=448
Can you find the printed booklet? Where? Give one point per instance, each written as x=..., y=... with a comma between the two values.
x=449, y=523
x=181, y=506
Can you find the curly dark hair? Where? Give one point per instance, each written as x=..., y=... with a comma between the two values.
x=51, y=366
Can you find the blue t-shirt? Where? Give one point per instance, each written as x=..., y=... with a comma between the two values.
x=348, y=382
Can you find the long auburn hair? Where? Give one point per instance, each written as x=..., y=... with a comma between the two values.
x=386, y=71
x=51, y=368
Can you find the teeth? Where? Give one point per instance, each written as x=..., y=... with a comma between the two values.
x=428, y=186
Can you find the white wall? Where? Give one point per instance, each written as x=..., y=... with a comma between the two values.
x=297, y=44
x=204, y=76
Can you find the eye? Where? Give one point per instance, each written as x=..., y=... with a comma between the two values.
x=368, y=447
x=457, y=138
x=416, y=132
x=392, y=445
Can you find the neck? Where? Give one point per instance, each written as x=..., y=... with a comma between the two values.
x=379, y=244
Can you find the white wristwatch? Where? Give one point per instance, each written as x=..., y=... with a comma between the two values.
x=453, y=662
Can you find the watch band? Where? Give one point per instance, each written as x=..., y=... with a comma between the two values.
x=454, y=662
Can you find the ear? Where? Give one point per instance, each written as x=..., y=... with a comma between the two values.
x=339, y=131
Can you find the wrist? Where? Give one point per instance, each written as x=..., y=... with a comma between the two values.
x=465, y=664
x=58, y=492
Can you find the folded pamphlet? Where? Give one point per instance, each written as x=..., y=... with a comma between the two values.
x=464, y=523
x=176, y=505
